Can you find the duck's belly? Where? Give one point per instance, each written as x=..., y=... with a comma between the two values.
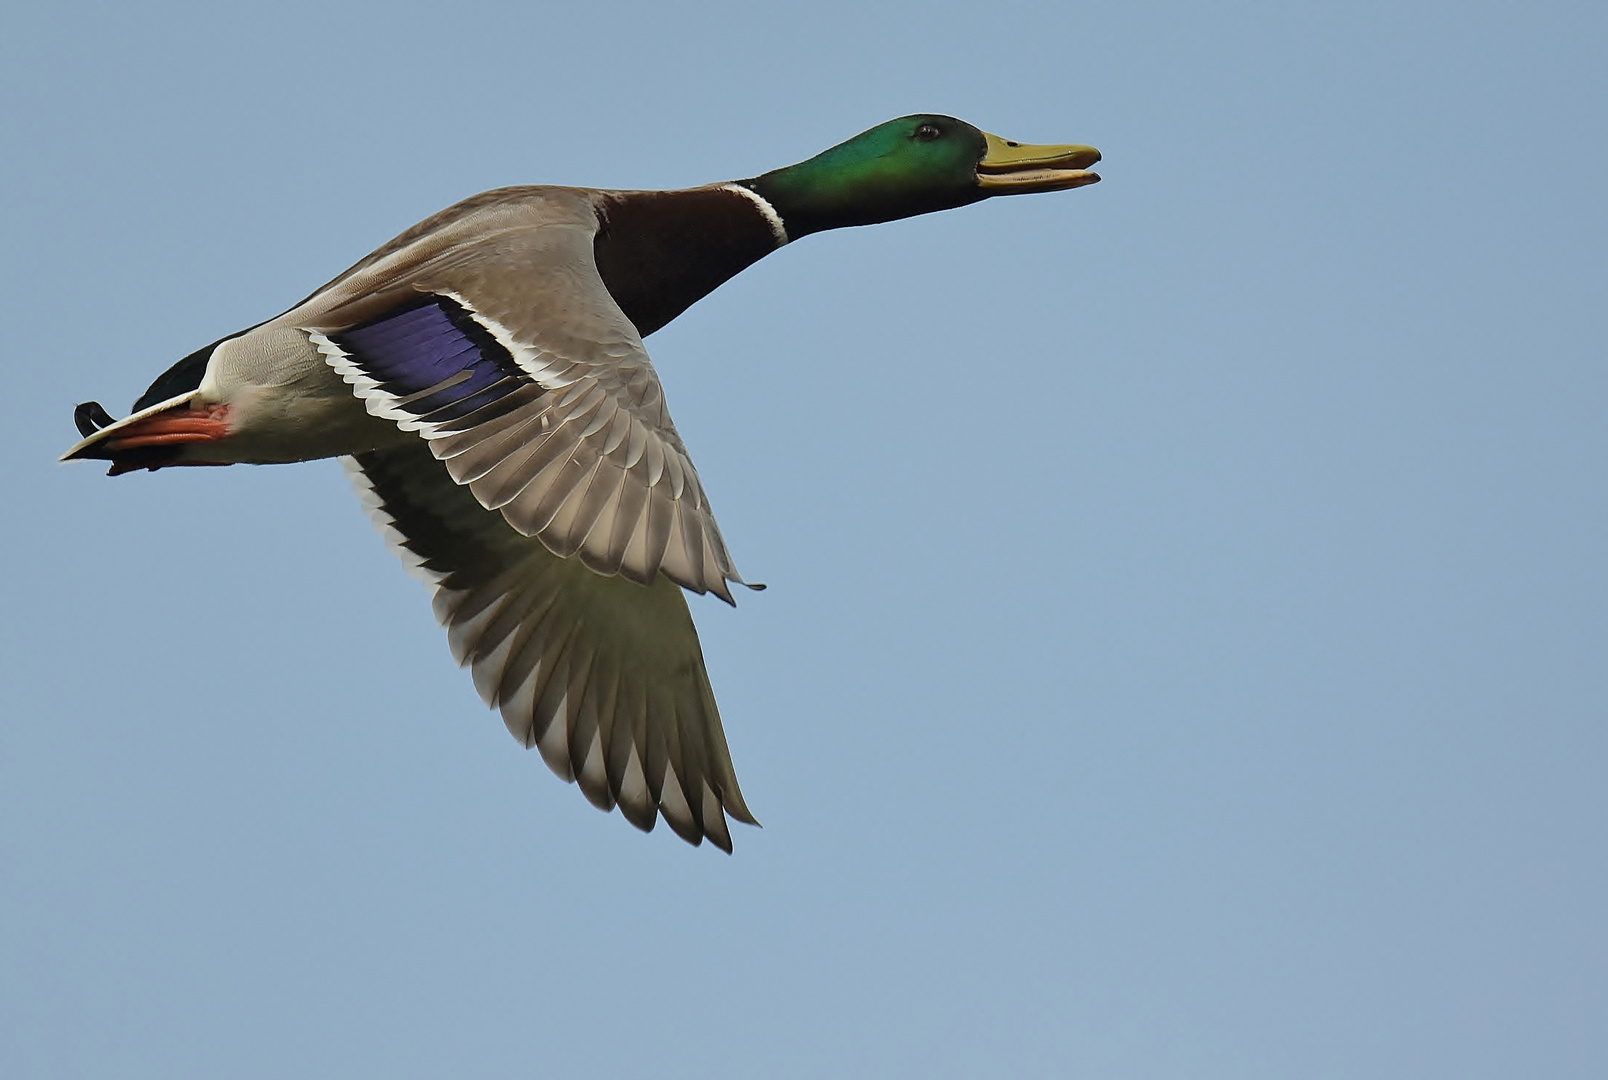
x=284, y=403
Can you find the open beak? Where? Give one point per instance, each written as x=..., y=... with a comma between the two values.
x=1013, y=168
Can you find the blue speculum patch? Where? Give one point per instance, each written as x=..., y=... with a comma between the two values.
x=434, y=358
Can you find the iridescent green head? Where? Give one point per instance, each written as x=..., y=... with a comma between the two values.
x=915, y=165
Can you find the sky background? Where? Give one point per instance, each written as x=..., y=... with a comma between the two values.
x=1186, y=650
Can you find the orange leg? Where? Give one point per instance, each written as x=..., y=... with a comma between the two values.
x=173, y=429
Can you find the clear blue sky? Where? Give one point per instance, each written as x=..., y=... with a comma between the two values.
x=1186, y=652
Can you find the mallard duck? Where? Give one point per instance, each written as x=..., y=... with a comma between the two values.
x=484, y=378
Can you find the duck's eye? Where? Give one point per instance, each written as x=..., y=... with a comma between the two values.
x=927, y=132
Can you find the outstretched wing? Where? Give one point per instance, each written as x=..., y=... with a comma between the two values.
x=505, y=351
x=603, y=675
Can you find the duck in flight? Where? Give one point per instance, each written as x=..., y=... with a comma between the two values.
x=483, y=377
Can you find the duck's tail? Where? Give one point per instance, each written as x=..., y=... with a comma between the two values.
x=151, y=438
